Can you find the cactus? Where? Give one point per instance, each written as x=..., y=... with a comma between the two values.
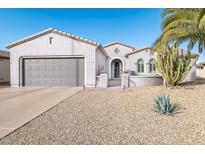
x=172, y=66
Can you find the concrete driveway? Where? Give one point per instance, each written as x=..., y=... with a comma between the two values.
x=20, y=105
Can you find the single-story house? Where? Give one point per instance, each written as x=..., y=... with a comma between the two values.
x=56, y=58
x=200, y=70
x=201, y=65
x=4, y=66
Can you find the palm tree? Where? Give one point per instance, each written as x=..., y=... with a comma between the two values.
x=182, y=25
x=201, y=16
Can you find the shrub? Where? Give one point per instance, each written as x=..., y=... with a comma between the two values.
x=163, y=104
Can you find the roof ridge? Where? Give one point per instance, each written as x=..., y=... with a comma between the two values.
x=75, y=36
x=149, y=48
x=49, y=30
x=119, y=42
x=138, y=50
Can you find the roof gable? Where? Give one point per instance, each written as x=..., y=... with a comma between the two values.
x=137, y=51
x=120, y=43
x=181, y=51
x=51, y=30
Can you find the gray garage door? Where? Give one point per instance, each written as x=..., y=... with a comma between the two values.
x=53, y=72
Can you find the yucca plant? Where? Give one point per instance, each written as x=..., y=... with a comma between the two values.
x=163, y=105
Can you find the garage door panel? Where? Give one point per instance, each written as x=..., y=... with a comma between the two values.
x=54, y=72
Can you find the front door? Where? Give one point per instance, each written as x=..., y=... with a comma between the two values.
x=117, y=69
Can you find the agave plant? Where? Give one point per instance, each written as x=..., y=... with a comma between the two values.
x=163, y=104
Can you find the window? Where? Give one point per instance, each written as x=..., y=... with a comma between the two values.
x=152, y=67
x=140, y=66
x=51, y=40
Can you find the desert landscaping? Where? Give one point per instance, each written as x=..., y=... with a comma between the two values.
x=116, y=116
x=122, y=94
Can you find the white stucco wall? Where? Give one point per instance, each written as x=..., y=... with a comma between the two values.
x=145, y=55
x=101, y=63
x=191, y=76
x=102, y=80
x=129, y=63
x=4, y=70
x=61, y=46
x=141, y=81
x=200, y=73
x=119, y=55
x=95, y=60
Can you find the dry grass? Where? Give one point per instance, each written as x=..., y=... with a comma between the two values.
x=119, y=117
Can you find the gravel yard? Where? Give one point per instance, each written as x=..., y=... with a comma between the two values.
x=97, y=116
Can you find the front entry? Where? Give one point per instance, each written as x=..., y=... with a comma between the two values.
x=116, y=69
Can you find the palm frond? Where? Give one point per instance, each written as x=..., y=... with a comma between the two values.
x=182, y=25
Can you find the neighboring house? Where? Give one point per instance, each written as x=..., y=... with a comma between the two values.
x=4, y=66
x=200, y=70
x=200, y=65
x=57, y=58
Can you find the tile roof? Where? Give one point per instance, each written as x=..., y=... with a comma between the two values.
x=117, y=42
x=137, y=50
x=51, y=30
x=193, y=55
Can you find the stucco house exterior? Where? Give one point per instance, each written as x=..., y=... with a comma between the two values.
x=4, y=66
x=200, y=70
x=57, y=58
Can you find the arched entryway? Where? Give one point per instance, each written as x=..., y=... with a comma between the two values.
x=116, y=69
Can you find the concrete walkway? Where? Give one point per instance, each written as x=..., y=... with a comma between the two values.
x=20, y=105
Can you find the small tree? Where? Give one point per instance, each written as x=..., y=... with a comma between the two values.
x=172, y=65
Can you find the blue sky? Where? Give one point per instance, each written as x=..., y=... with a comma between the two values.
x=138, y=27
